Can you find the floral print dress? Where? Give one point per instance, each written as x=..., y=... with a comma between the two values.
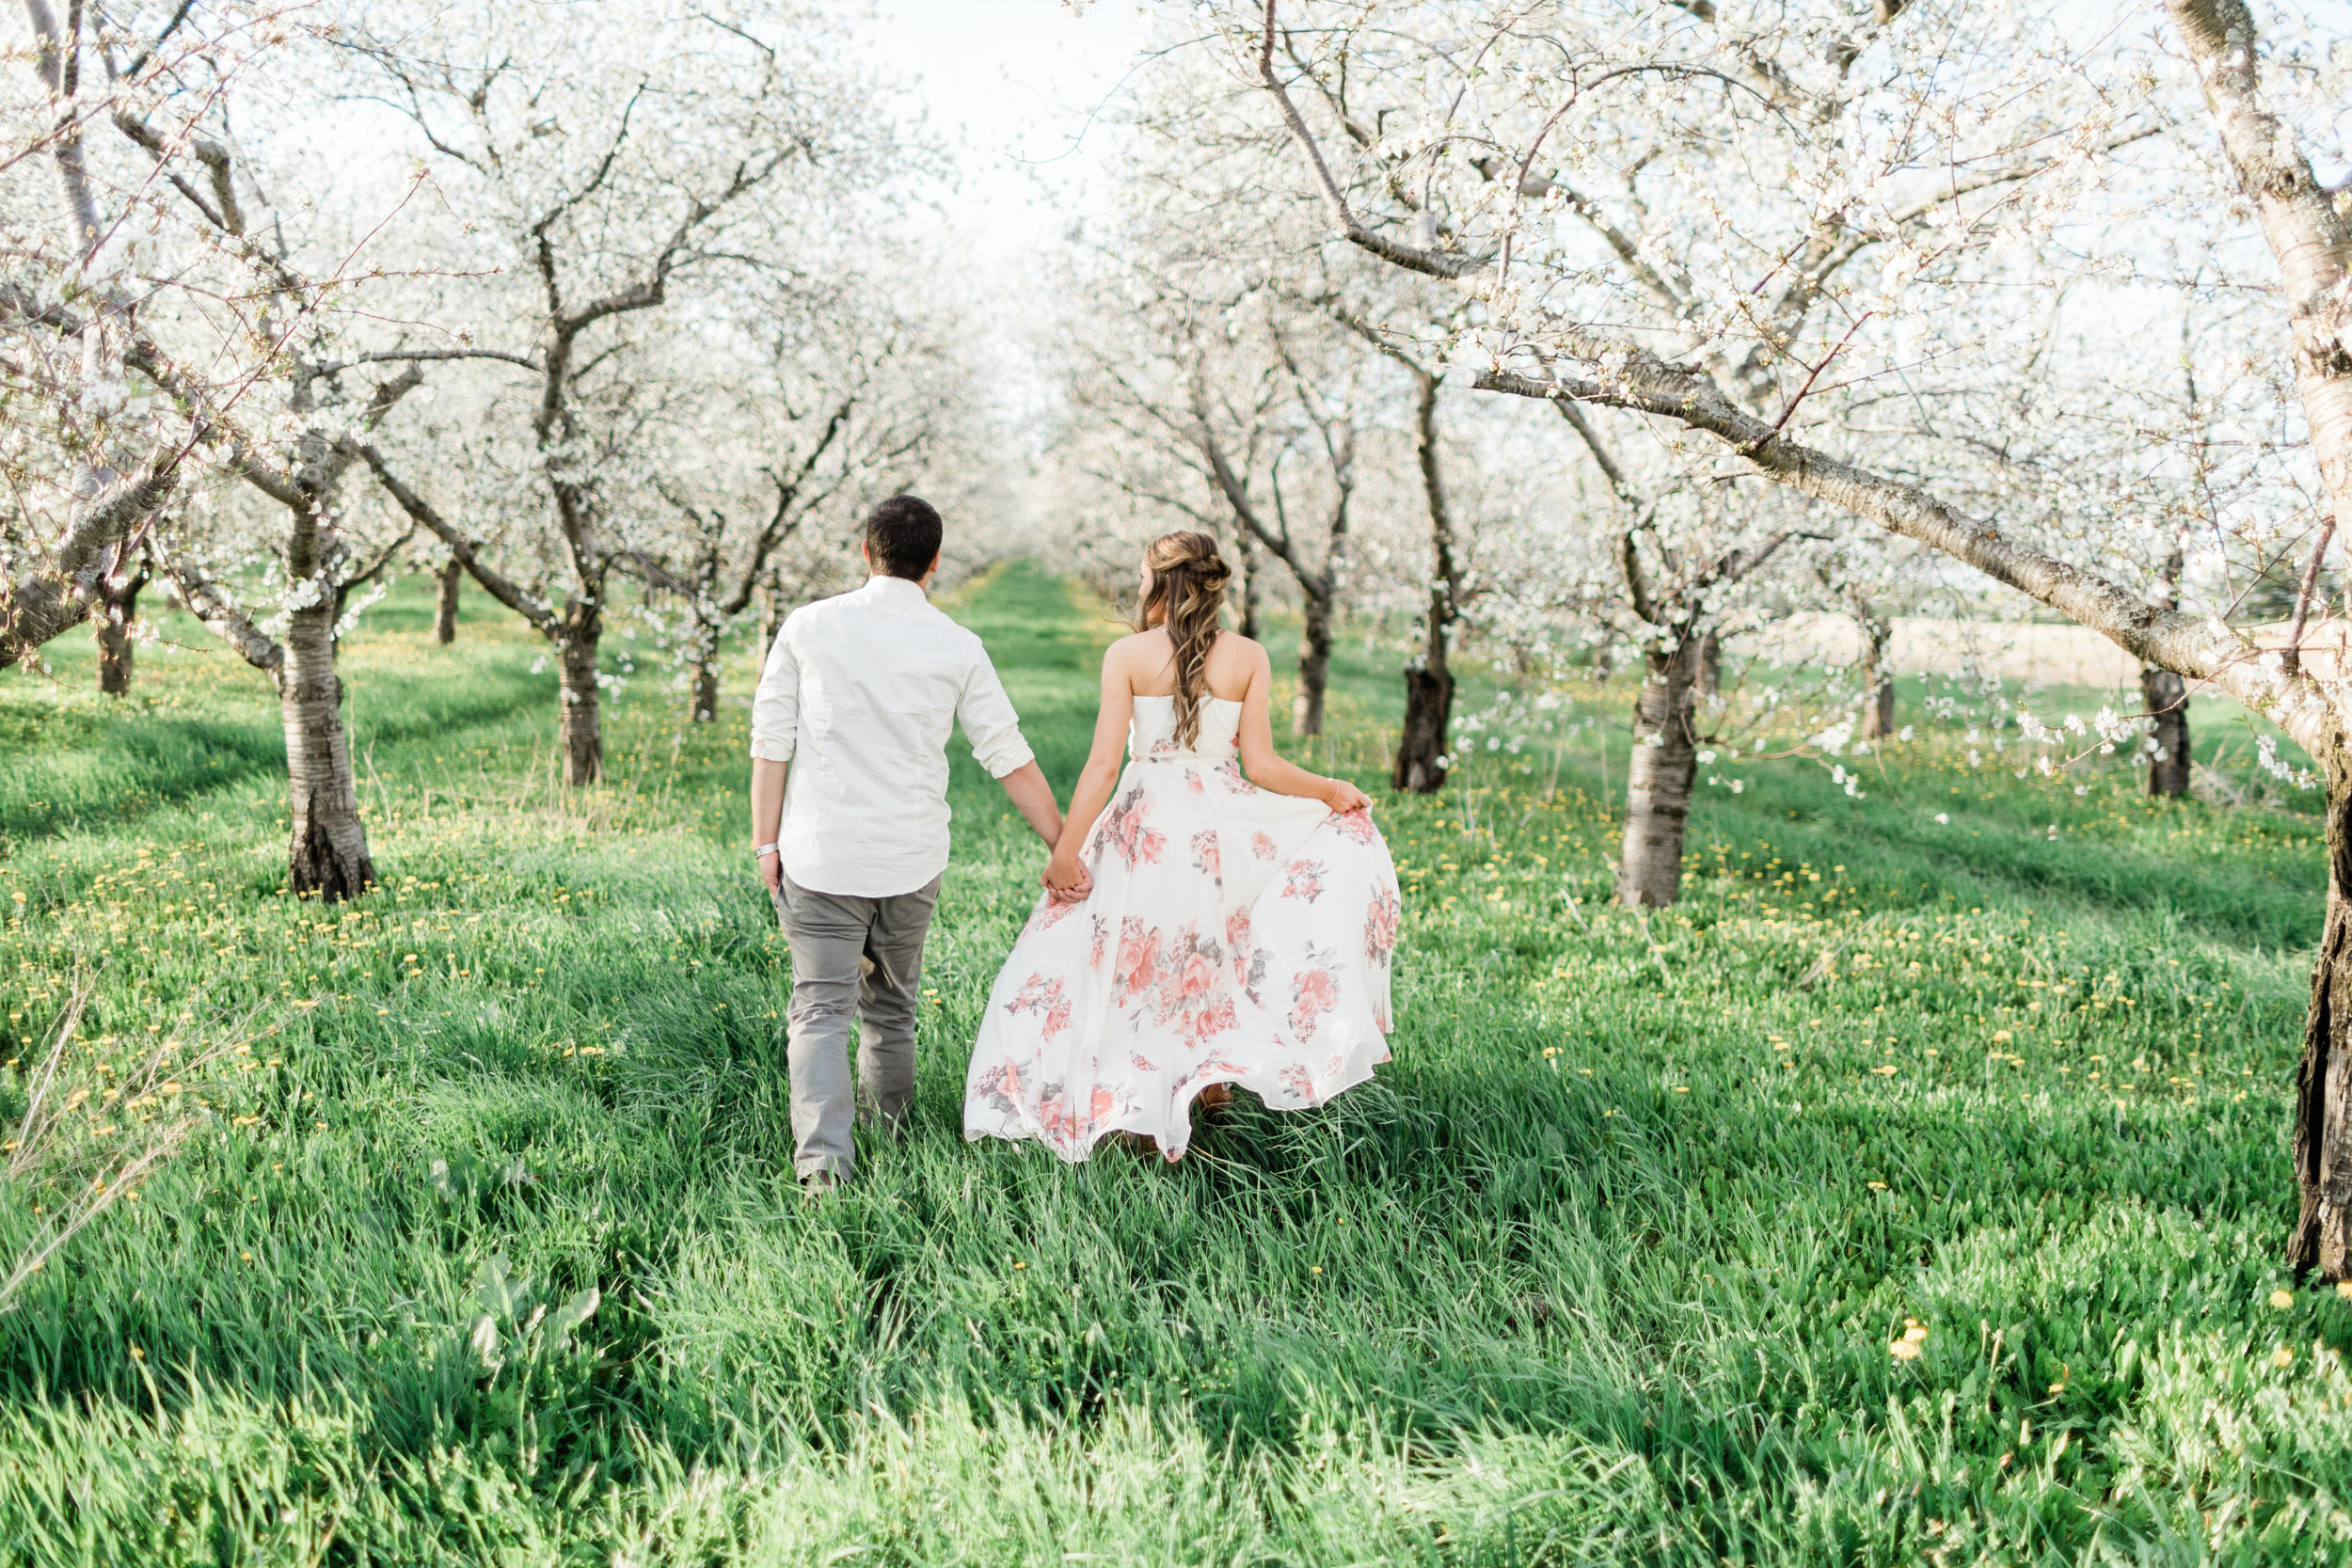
x=1234, y=936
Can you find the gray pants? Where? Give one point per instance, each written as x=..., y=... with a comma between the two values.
x=865, y=953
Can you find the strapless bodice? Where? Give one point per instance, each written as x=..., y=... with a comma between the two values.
x=1152, y=731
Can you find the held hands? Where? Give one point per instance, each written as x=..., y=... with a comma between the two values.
x=1342, y=797
x=1066, y=879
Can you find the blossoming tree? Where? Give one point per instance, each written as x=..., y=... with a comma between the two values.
x=1590, y=181
x=618, y=173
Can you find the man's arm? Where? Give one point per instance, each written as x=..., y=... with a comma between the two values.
x=775, y=730
x=1033, y=797
x=767, y=818
x=994, y=731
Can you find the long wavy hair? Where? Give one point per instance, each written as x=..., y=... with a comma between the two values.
x=1188, y=581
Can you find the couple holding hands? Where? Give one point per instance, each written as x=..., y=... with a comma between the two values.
x=1212, y=916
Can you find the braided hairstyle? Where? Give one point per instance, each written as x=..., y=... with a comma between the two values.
x=1187, y=590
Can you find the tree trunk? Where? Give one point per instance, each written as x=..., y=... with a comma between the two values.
x=2309, y=232
x=2323, y=1079
x=1420, y=748
x=1710, y=683
x=445, y=607
x=772, y=609
x=1878, y=721
x=1658, y=779
x=1878, y=673
x=117, y=608
x=1878, y=704
x=1314, y=665
x=579, y=732
x=702, y=654
x=327, y=854
x=1248, y=614
x=706, y=688
x=2167, y=696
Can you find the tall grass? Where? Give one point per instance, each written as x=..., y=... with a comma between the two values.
x=490, y=1252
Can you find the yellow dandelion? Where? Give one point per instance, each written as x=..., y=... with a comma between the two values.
x=1904, y=1350
x=1876, y=1186
x=2282, y=1300
x=2000, y=1036
x=2343, y=1289
x=2282, y=1356
x=1917, y=1330
x=1314, y=1268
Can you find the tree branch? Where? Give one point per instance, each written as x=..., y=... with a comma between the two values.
x=2196, y=649
x=209, y=603
x=1433, y=263
x=461, y=548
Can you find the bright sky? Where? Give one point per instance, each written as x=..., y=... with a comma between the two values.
x=1010, y=86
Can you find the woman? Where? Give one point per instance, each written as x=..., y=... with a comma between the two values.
x=1212, y=929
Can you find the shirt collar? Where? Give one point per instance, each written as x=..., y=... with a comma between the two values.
x=900, y=593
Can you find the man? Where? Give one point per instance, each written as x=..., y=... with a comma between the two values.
x=849, y=817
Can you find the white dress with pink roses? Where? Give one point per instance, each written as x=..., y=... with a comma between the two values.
x=1234, y=936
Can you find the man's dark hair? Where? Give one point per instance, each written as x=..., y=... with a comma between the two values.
x=902, y=535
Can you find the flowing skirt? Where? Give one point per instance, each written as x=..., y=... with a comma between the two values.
x=1233, y=936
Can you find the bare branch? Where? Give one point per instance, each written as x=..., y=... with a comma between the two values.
x=463, y=549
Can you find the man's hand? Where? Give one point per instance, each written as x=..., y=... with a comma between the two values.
x=768, y=780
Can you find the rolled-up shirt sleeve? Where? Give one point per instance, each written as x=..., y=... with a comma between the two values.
x=989, y=722
x=776, y=705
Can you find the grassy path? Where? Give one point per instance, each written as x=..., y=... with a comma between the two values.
x=483, y=1251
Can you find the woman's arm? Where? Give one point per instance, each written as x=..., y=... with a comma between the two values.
x=1097, y=779
x=1265, y=765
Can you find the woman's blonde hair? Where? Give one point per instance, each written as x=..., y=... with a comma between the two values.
x=1188, y=581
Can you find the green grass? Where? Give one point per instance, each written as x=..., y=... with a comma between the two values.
x=1606, y=1267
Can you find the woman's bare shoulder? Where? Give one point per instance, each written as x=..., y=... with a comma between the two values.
x=1138, y=654
x=1137, y=643
x=1234, y=646
x=1233, y=664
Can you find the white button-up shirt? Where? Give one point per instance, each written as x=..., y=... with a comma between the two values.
x=858, y=696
